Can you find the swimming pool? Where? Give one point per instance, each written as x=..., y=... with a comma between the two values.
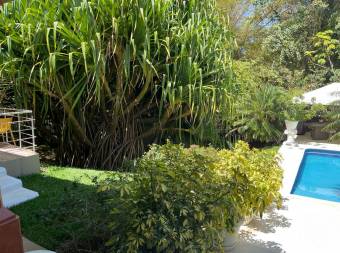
x=319, y=175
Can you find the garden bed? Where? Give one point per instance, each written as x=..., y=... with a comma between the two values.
x=73, y=214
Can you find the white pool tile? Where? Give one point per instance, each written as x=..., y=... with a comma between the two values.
x=303, y=224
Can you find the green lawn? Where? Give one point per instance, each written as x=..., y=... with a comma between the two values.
x=68, y=211
x=272, y=148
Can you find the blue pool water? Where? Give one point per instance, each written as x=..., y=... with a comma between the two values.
x=319, y=175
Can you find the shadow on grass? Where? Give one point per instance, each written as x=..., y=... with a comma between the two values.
x=68, y=216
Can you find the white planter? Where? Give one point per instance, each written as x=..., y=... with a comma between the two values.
x=247, y=220
x=230, y=240
x=291, y=131
x=291, y=125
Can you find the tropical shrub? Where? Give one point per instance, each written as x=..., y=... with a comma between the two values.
x=298, y=111
x=326, y=50
x=319, y=112
x=251, y=75
x=334, y=117
x=256, y=179
x=175, y=202
x=179, y=199
x=260, y=114
x=106, y=78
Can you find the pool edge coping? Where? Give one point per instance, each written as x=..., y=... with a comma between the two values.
x=292, y=157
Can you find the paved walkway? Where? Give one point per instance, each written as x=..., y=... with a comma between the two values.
x=303, y=225
x=30, y=246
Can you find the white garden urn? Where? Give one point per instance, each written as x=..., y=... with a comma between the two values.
x=230, y=239
x=291, y=131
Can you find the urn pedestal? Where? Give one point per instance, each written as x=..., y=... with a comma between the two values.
x=291, y=131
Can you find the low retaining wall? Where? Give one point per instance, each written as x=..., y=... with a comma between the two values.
x=19, y=162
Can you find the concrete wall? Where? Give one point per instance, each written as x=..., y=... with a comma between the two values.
x=20, y=163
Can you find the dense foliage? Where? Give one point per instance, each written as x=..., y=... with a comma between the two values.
x=290, y=44
x=294, y=35
x=334, y=126
x=179, y=199
x=106, y=78
x=283, y=37
x=173, y=203
x=256, y=179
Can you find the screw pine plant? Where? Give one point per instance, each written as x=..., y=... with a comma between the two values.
x=108, y=77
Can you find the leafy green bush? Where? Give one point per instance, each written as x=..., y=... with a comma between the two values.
x=261, y=114
x=297, y=111
x=174, y=203
x=334, y=118
x=255, y=177
x=319, y=112
x=251, y=75
x=180, y=199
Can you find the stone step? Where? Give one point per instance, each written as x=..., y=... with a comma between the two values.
x=12, y=191
x=8, y=184
x=3, y=172
x=18, y=196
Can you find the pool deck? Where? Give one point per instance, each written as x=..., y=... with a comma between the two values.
x=303, y=224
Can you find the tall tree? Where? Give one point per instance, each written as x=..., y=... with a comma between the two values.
x=249, y=20
x=289, y=39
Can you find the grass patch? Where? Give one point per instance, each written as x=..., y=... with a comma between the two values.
x=69, y=215
x=272, y=148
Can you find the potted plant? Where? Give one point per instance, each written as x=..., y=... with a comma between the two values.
x=296, y=111
x=319, y=122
